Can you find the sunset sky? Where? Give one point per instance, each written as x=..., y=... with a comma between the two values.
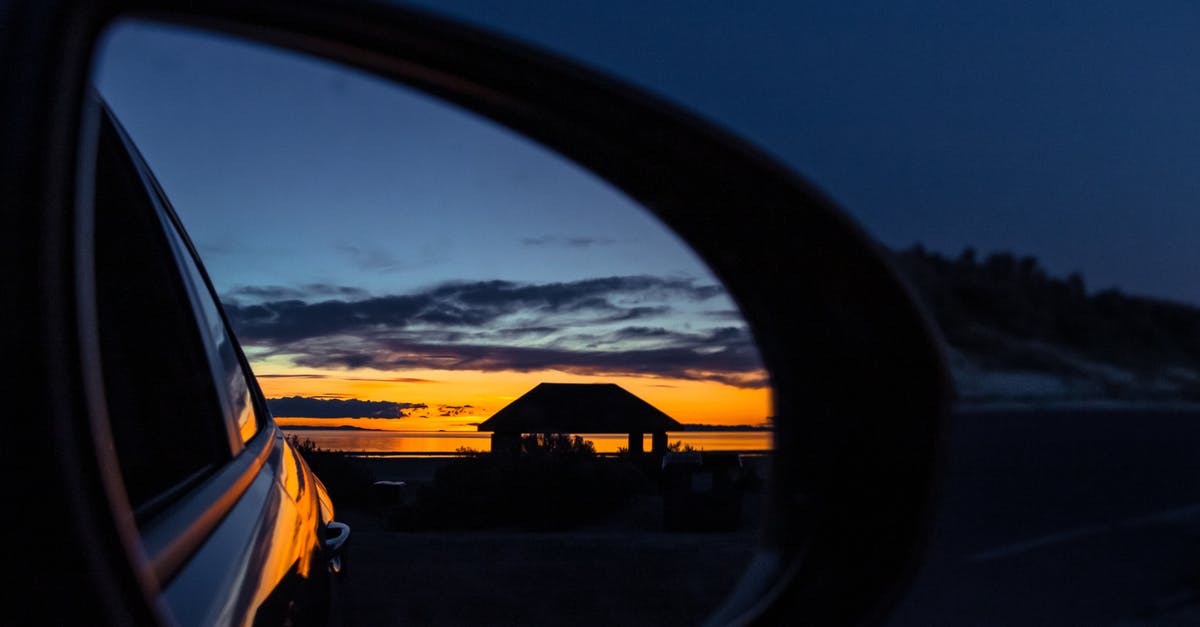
x=330, y=208
x=371, y=244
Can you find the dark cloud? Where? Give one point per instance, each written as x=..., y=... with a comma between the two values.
x=453, y=410
x=289, y=320
x=636, y=313
x=722, y=356
x=723, y=314
x=523, y=332
x=325, y=376
x=372, y=259
x=575, y=327
x=567, y=242
x=321, y=407
x=466, y=304
x=384, y=261
x=596, y=293
x=389, y=379
x=629, y=333
x=278, y=292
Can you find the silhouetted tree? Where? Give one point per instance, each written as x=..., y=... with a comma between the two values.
x=978, y=304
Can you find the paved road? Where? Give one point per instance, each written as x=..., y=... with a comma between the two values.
x=1082, y=518
x=1066, y=518
x=519, y=579
x=621, y=571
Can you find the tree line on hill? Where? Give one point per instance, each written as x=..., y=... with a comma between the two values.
x=983, y=304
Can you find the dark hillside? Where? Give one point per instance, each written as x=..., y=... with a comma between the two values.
x=1004, y=313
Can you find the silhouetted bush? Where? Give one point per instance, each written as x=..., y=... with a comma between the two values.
x=348, y=479
x=555, y=482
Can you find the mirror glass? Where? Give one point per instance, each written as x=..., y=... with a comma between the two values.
x=528, y=399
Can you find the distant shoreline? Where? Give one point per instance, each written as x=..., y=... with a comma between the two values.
x=693, y=428
x=320, y=428
x=699, y=427
x=352, y=428
x=439, y=443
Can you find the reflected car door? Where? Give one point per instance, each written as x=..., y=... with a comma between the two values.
x=229, y=515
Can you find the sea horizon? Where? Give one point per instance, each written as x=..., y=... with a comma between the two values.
x=416, y=442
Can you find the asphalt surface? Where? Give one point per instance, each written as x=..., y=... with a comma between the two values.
x=1065, y=518
x=613, y=573
x=1048, y=518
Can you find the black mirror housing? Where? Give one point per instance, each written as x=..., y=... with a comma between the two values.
x=861, y=387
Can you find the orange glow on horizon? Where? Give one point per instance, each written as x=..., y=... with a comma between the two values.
x=688, y=401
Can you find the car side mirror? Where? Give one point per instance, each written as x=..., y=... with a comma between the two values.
x=861, y=391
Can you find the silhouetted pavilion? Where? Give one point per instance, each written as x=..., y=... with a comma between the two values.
x=580, y=408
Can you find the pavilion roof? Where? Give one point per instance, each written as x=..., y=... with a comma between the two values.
x=579, y=408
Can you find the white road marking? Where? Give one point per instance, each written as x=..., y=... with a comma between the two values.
x=1038, y=542
x=1188, y=513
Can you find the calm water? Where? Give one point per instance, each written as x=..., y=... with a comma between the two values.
x=442, y=442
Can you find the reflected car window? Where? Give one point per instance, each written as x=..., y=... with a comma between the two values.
x=163, y=407
x=232, y=385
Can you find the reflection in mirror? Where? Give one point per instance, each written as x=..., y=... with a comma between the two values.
x=529, y=400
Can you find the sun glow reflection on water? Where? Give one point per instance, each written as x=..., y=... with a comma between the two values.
x=441, y=443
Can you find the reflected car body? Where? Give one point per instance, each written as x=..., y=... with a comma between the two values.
x=237, y=528
x=265, y=562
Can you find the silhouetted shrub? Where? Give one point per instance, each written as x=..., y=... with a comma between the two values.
x=555, y=482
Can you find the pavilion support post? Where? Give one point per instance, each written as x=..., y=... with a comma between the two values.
x=659, y=444
x=635, y=444
x=507, y=444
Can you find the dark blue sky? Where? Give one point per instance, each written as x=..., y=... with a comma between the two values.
x=1063, y=129
x=288, y=170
